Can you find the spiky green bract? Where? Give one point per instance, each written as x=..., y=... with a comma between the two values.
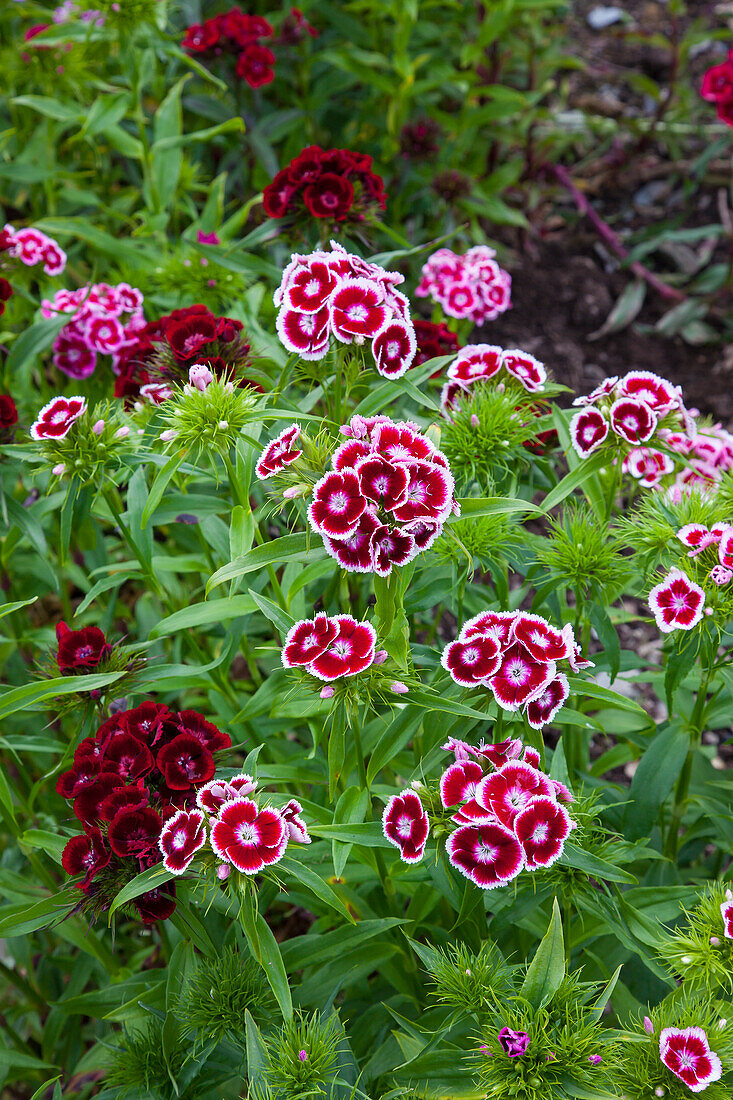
x=490, y=541
x=214, y=1000
x=563, y=1035
x=211, y=420
x=186, y=276
x=484, y=440
x=92, y=456
x=641, y=1072
x=723, y=495
x=288, y=1075
x=584, y=555
x=126, y=17
x=651, y=528
x=469, y=983
x=697, y=950
x=138, y=1069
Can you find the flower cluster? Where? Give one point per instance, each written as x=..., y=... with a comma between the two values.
x=33, y=247
x=330, y=646
x=141, y=767
x=433, y=340
x=165, y=350
x=515, y=654
x=678, y=601
x=101, y=437
x=385, y=500
x=484, y=362
x=471, y=286
x=334, y=184
x=105, y=320
x=707, y=454
x=717, y=88
x=238, y=34
x=335, y=293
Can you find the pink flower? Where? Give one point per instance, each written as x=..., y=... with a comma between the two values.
x=541, y=829
x=72, y=354
x=686, y=1052
x=357, y=309
x=54, y=258
x=520, y=678
x=476, y=361
x=486, y=853
x=726, y=912
x=355, y=554
x=657, y=393
x=311, y=286
x=105, y=334
x=405, y=824
x=514, y=1043
x=720, y=575
x=511, y=789
x=247, y=837
x=525, y=368
x=472, y=662
x=647, y=466
x=677, y=602
x=350, y=652
x=337, y=504
x=588, y=430
x=29, y=246
x=214, y=794
x=296, y=827
x=541, y=640
x=200, y=376
x=278, y=454
x=459, y=781
x=394, y=348
x=54, y=420
x=725, y=549
x=181, y=837
x=308, y=639
x=156, y=392
x=542, y=710
x=633, y=420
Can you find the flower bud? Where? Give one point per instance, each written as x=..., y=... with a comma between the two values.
x=292, y=492
x=328, y=691
x=223, y=871
x=58, y=469
x=380, y=657
x=98, y=428
x=122, y=433
x=474, y=420
x=302, y=1056
x=659, y=1091
x=223, y=425
x=721, y=1023
x=686, y=960
x=398, y=687
x=648, y=1026
x=200, y=376
x=595, y=1059
x=714, y=941
x=168, y=435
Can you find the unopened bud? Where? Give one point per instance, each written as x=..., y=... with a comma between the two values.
x=328, y=691
x=721, y=1023
x=714, y=941
x=58, y=469
x=223, y=871
x=292, y=492
x=659, y=1091
x=380, y=657
x=223, y=425
x=686, y=960
x=302, y=1056
x=122, y=433
x=648, y=1026
x=398, y=687
x=98, y=428
x=474, y=420
x=200, y=376
x=168, y=435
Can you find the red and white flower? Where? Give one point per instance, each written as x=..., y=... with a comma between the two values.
x=54, y=257
x=390, y=546
x=181, y=838
x=350, y=652
x=304, y=334
x=394, y=348
x=633, y=420
x=310, y=287
x=512, y=788
x=542, y=828
x=497, y=624
x=486, y=853
x=588, y=430
x=429, y=493
x=337, y=504
x=726, y=912
x=657, y=393
x=542, y=710
x=525, y=368
x=278, y=454
x=476, y=361
x=472, y=662
x=212, y=796
x=696, y=536
x=105, y=334
x=308, y=639
x=401, y=442
x=459, y=781
x=55, y=419
x=647, y=466
x=520, y=678
x=354, y=554
x=541, y=640
x=677, y=602
x=248, y=837
x=686, y=1053
x=725, y=548
x=382, y=482
x=357, y=310
x=296, y=827
x=405, y=824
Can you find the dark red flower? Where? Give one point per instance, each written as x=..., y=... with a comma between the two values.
x=80, y=650
x=277, y=196
x=85, y=772
x=187, y=337
x=330, y=196
x=127, y=756
x=201, y=37
x=390, y=546
x=210, y=736
x=123, y=798
x=88, y=802
x=85, y=854
x=433, y=340
x=543, y=709
x=146, y=721
x=133, y=830
x=405, y=824
x=541, y=640
x=354, y=553
x=255, y=65
x=185, y=762
x=157, y=904
x=717, y=83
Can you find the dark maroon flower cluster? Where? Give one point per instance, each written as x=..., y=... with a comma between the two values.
x=420, y=140
x=334, y=184
x=238, y=34
x=166, y=349
x=433, y=340
x=717, y=88
x=8, y=415
x=141, y=768
x=82, y=650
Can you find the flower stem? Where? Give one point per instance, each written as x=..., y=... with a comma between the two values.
x=682, y=789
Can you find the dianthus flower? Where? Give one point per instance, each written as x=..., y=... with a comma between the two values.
x=325, y=294
x=717, y=88
x=510, y=815
x=405, y=824
x=104, y=320
x=686, y=1052
x=335, y=185
x=239, y=35
x=677, y=602
x=516, y=655
x=480, y=363
x=472, y=286
x=330, y=647
x=33, y=247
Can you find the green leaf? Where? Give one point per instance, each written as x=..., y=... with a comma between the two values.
x=585, y=470
x=204, y=614
x=51, y=108
x=601, y=869
x=160, y=483
x=32, y=342
x=547, y=969
x=473, y=507
x=256, y=1052
x=313, y=882
x=29, y=695
x=288, y=548
x=367, y=833
x=279, y=618
x=625, y=310
x=654, y=778
x=20, y=919
x=263, y=946
x=140, y=884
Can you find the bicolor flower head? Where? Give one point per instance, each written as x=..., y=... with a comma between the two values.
x=55, y=419
x=648, y=466
x=541, y=710
x=677, y=603
x=633, y=420
x=248, y=837
x=296, y=827
x=486, y=853
x=657, y=393
x=686, y=1053
x=181, y=838
x=520, y=678
x=212, y=795
x=350, y=652
x=405, y=824
x=458, y=782
x=472, y=662
x=308, y=639
x=511, y=789
x=542, y=828
x=588, y=430
x=337, y=504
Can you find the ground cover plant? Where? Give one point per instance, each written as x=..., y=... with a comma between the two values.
x=366, y=664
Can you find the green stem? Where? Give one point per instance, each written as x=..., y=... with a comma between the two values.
x=682, y=788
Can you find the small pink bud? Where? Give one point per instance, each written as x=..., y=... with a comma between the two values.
x=714, y=941
x=595, y=1059
x=380, y=657
x=659, y=1091
x=328, y=691
x=168, y=435
x=98, y=428
x=223, y=425
x=211, y=282
x=648, y=1026
x=398, y=687
x=204, y=262
x=223, y=871
x=485, y=1051
x=122, y=433
x=474, y=420
x=303, y=1056
x=58, y=469
x=291, y=492
x=200, y=376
